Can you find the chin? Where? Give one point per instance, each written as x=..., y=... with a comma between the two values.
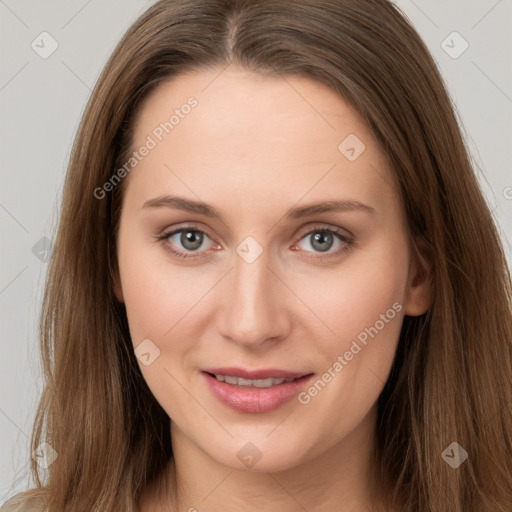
x=260, y=456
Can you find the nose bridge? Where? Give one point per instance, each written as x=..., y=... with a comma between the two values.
x=251, y=281
x=254, y=310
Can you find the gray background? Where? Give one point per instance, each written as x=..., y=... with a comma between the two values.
x=41, y=104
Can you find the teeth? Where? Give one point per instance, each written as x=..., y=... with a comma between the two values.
x=257, y=383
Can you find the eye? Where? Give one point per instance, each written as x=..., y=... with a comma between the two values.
x=188, y=239
x=322, y=240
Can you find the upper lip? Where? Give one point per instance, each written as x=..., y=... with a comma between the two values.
x=265, y=373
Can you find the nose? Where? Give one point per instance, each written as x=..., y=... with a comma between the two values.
x=253, y=308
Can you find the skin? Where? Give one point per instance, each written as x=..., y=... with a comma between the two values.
x=254, y=147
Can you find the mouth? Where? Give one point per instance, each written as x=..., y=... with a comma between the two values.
x=251, y=383
x=254, y=391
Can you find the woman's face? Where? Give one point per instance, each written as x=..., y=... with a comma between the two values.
x=229, y=265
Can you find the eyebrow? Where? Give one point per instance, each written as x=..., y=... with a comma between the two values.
x=297, y=212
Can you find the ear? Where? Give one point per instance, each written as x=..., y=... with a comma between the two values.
x=419, y=284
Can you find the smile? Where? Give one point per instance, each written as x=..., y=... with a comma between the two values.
x=254, y=392
x=257, y=383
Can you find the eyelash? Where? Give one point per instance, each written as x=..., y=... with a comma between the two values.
x=346, y=240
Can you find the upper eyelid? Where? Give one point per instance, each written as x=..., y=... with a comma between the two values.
x=172, y=231
x=337, y=232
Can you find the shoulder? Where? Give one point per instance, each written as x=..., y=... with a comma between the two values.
x=24, y=502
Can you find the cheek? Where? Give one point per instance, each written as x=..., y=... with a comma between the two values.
x=157, y=293
x=158, y=298
x=351, y=297
x=363, y=305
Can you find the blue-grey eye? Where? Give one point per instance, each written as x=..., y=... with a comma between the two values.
x=189, y=239
x=322, y=241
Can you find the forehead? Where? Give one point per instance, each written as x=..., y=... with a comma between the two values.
x=258, y=133
x=234, y=103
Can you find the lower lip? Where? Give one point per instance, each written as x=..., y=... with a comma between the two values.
x=255, y=400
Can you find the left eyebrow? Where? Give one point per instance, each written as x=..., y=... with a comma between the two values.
x=328, y=206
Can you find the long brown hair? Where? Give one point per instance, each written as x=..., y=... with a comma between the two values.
x=451, y=379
